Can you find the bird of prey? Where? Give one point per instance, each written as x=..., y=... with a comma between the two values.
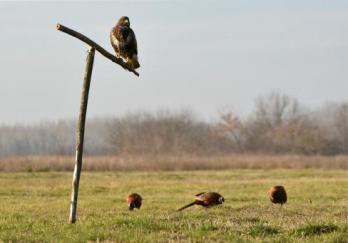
x=123, y=41
x=205, y=199
x=277, y=194
x=134, y=200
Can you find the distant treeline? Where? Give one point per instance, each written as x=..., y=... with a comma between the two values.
x=278, y=124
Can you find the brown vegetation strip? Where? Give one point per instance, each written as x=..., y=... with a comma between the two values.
x=171, y=162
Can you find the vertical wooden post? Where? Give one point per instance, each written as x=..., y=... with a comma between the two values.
x=80, y=133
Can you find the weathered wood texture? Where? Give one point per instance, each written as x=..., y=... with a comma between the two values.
x=93, y=44
x=80, y=133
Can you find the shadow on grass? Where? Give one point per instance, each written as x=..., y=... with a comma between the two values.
x=315, y=229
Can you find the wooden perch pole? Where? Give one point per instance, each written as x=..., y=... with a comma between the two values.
x=100, y=49
x=83, y=107
x=81, y=133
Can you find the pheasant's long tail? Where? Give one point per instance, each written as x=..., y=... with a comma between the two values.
x=187, y=206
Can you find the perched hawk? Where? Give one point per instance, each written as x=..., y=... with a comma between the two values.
x=124, y=42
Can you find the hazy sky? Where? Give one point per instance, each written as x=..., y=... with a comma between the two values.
x=205, y=55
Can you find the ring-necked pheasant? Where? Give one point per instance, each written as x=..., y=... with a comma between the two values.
x=134, y=200
x=205, y=199
x=277, y=194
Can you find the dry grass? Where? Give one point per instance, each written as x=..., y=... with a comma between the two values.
x=166, y=163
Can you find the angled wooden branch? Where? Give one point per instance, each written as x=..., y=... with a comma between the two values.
x=100, y=49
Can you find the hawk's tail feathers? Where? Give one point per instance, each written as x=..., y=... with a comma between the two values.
x=134, y=61
x=187, y=206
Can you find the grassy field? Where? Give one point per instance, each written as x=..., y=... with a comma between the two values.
x=34, y=206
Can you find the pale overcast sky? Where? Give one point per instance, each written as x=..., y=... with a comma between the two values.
x=205, y=55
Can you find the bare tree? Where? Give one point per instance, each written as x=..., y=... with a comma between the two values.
x=341, y=125
x=163, y=132
x=271, y=112
x=231, y=128
x=274, y=108
x=279, y=124
x=302, y=136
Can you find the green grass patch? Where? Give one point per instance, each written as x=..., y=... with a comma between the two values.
x=34, y=207
x=315, y=229
x=262, y=230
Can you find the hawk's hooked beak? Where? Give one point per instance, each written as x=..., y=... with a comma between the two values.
x=126, y=22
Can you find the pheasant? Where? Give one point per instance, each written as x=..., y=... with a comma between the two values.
x=134, y=200
x=205, y=199
x=277, y=194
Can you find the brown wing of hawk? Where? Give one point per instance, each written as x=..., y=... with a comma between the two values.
x=123, y=41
